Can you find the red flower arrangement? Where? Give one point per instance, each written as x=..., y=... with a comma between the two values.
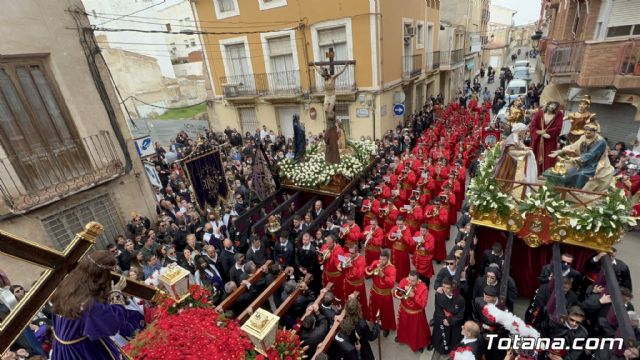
x=194, y=333
x=192, y=329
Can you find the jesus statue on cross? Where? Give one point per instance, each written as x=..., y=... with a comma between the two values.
x=329, y=76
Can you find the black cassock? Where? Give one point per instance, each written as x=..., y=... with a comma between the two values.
x=299, y=139
x=365, y=335
x=446, y=338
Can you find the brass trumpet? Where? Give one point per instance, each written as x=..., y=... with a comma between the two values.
x=344, y=231
x=378, y=269
x=395, y=236
x=403, y=294
x=384, y=211
x=324, y=255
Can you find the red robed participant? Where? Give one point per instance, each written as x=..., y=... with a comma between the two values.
x=400, y=239
x=373, y=238
x=450, y=203
x=457, y=191
x=390, y=178
x=350, y=233
x=441, y=174
x=423, y=254
x=329, y=259
x=380, y=299
x=413, y=328
x=388, y=215
x=353, y=271
x=414, y=216
x=370, y=208
x=437, y=219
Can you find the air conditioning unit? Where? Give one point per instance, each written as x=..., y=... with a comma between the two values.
x=230, y=90
x=409, y=31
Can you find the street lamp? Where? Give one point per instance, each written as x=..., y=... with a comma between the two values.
x=535, y=39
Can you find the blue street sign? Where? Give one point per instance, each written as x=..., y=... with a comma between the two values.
x=398, y=109
x=145, y=146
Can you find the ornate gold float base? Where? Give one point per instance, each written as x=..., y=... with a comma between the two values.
x=539, y=228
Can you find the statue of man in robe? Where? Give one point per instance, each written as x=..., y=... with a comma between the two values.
x=331, y=139
x=545, y=130
x=329, y=90
x=591, y=170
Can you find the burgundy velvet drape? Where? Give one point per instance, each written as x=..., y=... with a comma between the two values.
x=526, y=262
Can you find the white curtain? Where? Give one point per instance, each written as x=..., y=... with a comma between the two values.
x=335, y=38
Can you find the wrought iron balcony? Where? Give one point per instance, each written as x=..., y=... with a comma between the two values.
x=435, y=60
x=31, y=180
x=629, y=58
x=451, y=57
x=274, y=83
x=411, y=66
x=565, y=57
x=345, y=83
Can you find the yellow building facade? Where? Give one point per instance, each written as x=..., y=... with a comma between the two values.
x=259, y=51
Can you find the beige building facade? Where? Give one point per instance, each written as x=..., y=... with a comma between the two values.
x=465, y=30
x=66, y=154
x=261, y=75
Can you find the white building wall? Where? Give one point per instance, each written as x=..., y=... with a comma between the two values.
x=180, y=16
x=101, y=14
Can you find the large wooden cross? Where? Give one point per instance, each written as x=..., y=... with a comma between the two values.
x=57, y=265
x=332, y=62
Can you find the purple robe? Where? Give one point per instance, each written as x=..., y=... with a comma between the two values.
x=93, y=329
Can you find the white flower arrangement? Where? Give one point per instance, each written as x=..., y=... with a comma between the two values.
x=609, y=215
x=313, y=171
x=544, y=199
x=484, y=191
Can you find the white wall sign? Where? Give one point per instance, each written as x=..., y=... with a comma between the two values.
x=362, y=112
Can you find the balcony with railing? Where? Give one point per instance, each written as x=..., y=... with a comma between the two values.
x=411, y=66
x=451, y=57
x=345, y=83
x=34, y=179
x=597, y=64
x=565, y=58
x=435, y=60
x=282, y=83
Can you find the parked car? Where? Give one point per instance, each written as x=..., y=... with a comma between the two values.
x=515, y=88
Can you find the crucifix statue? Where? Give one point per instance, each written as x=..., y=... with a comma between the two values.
x=327, y=70
x=57, y=265
x=329, y=75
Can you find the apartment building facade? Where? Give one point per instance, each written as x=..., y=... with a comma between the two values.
x=593, y=47
x=499, y=28
x=463, y=33
x=260, y=69
x=65, y=151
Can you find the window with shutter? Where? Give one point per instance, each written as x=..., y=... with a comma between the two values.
x=248, y=119
x=623, y=19
x=336, y=39
x=226, y=8
x=35, y=128
x=226, y=5
x=62, y=226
